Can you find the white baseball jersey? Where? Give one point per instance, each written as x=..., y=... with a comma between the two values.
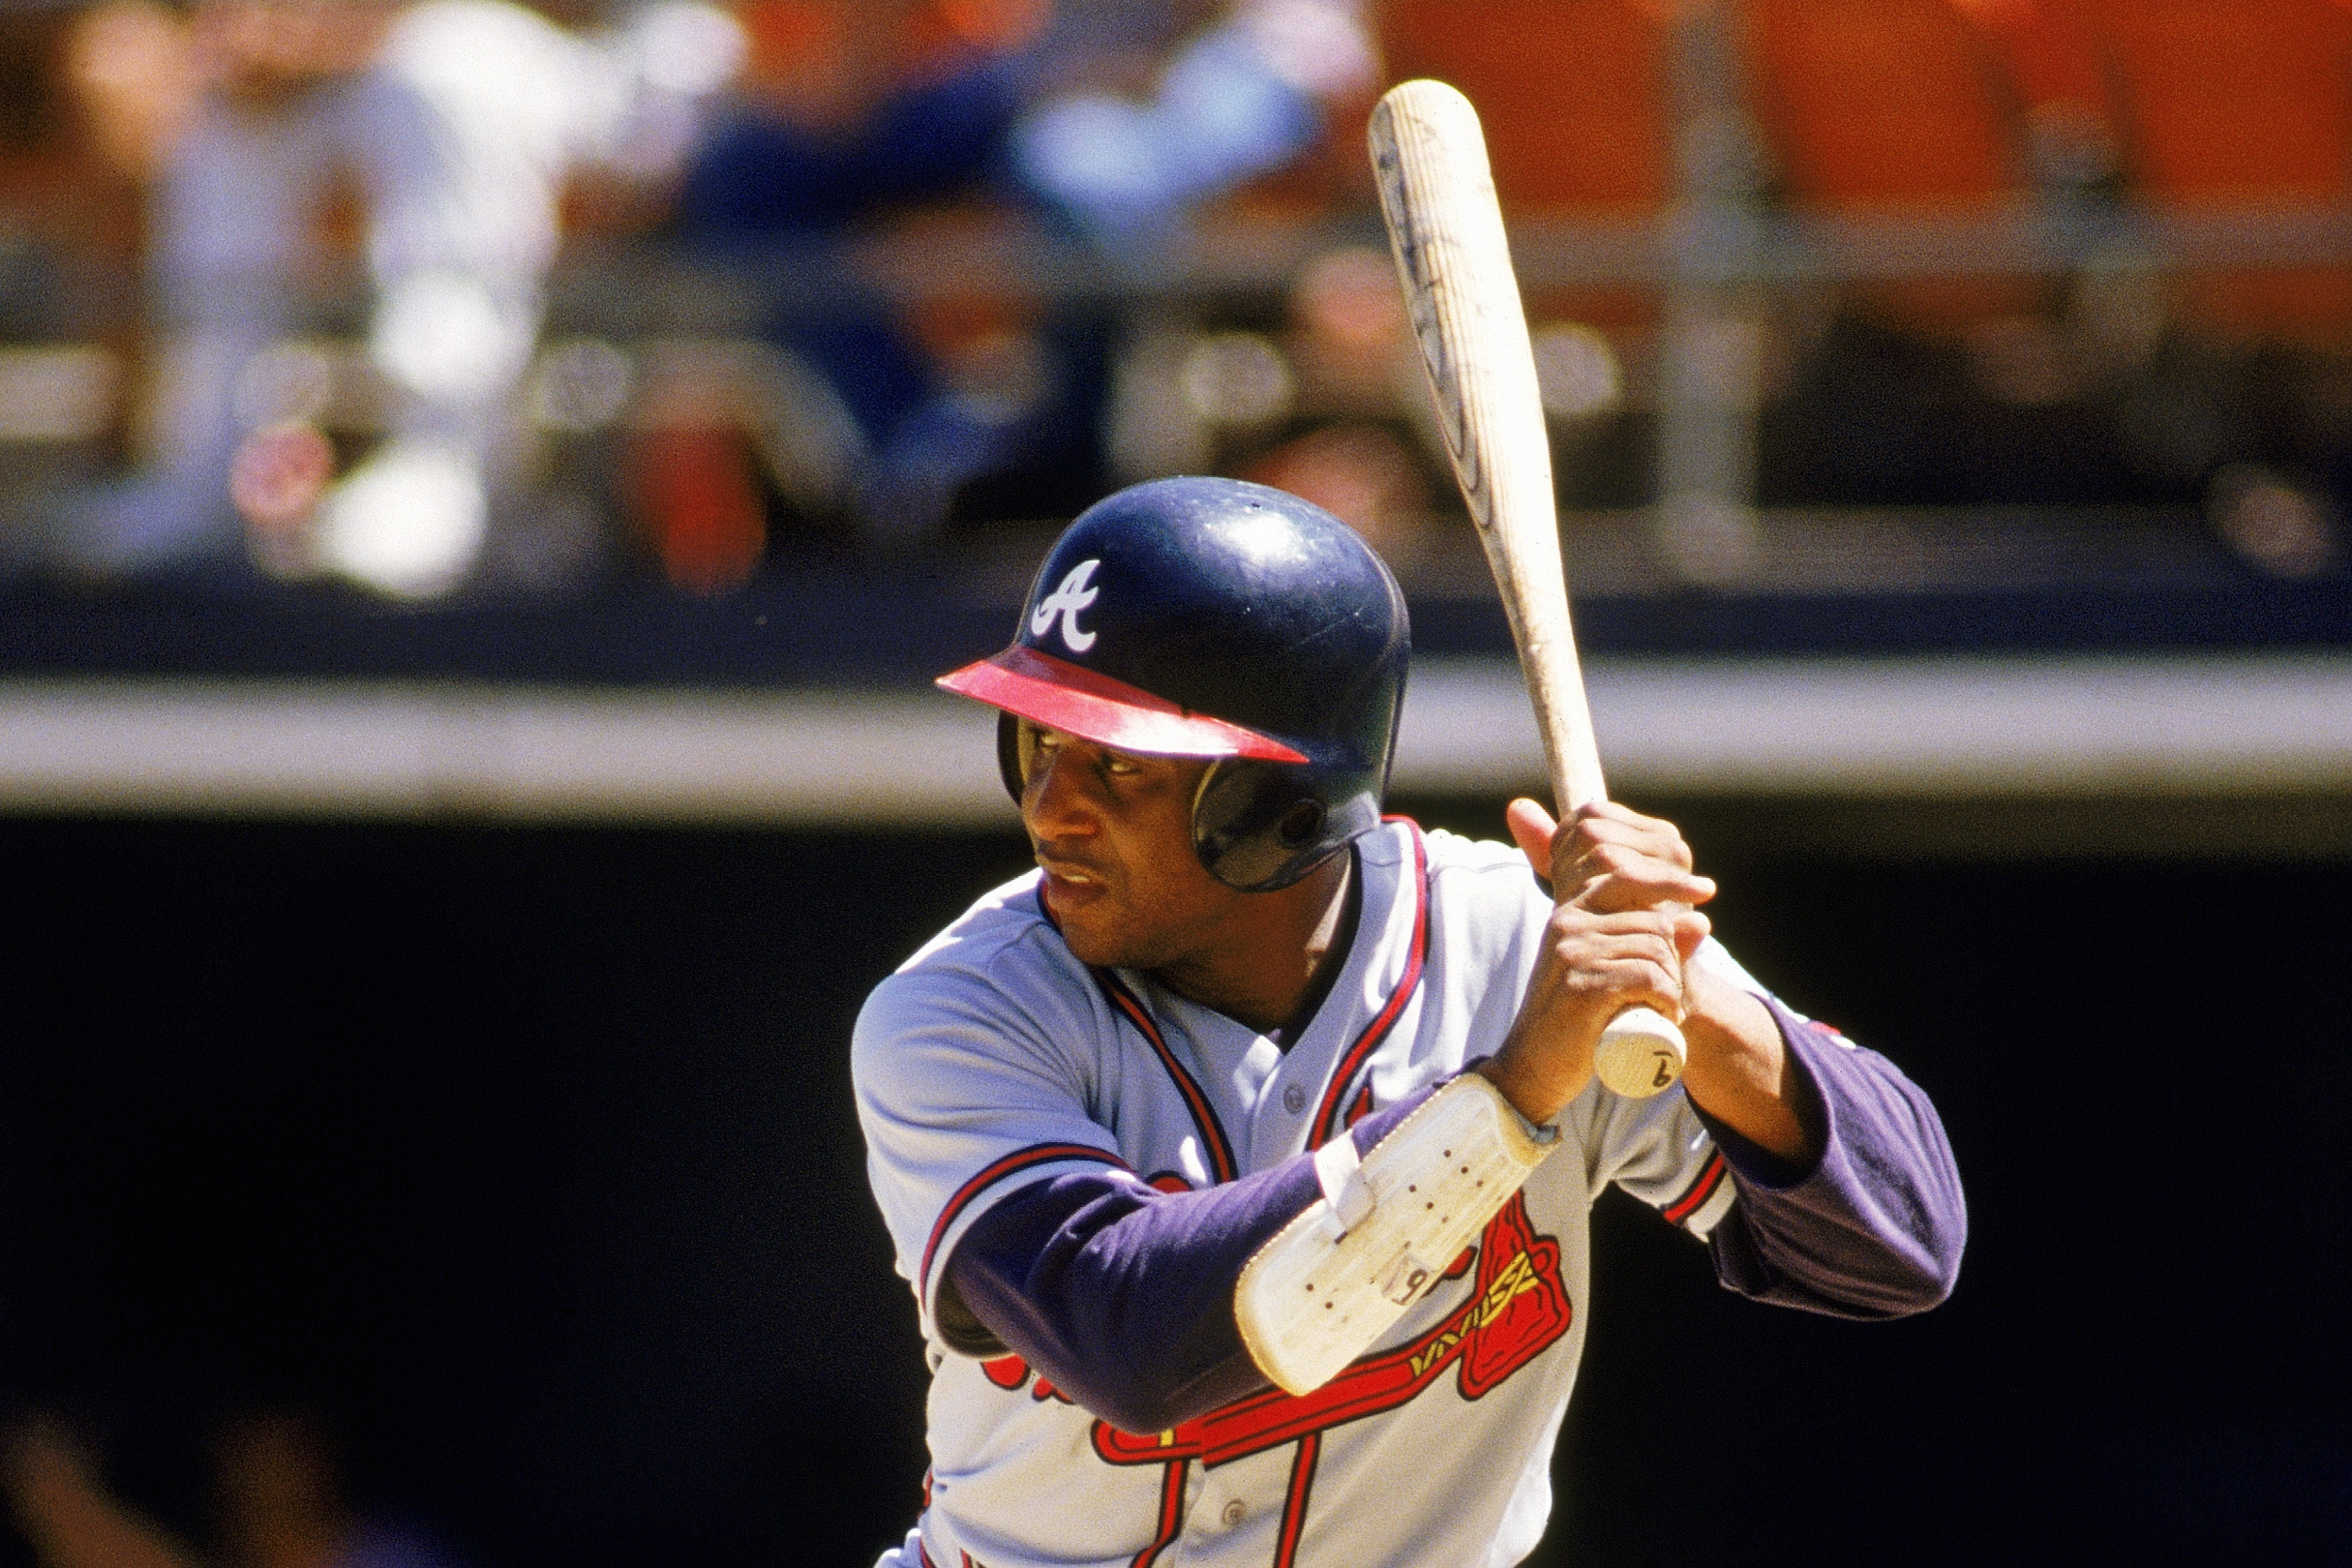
x=994, y=1059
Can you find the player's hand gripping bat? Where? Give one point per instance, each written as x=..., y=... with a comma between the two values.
x=1447, y=231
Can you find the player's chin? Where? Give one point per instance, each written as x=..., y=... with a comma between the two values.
x=1096, y=932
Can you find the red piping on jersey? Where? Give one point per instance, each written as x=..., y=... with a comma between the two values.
x=1223, y=1166
x=1294, y=1502
x=1018, y=1161
x=1690, y=1202
x=1326, y=1116
x=1171, y=1514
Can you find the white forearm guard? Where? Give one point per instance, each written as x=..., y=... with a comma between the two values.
x=1336, y=1278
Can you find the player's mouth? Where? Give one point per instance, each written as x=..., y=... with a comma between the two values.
x=1069, y=885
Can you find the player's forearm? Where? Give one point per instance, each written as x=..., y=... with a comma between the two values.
x=1872, y=1227
x=1739, y=1074
x=1123, y=1296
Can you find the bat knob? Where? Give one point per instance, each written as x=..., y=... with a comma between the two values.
x=1640, y=1054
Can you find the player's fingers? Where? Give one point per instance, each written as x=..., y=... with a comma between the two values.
x=1607, y=856
x=1587, y=846
x=1577, y=917
x=1645, y=975
x=1533, y=831
x=1596, y=966
x=1612, y=879
x=1588, y=943
x=1614, y=854
x=1691, y=930
x=1607, y=822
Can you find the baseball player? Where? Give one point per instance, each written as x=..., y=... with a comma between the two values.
x=1239, y=1156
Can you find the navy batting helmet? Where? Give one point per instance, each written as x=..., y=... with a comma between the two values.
x=1211, y=617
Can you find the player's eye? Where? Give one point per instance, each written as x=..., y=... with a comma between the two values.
x=1037, y=747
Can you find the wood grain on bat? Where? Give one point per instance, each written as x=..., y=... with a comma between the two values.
x=1446, y=227
x=1439, y=194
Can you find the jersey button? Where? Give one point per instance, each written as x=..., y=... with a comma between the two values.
x=1294, y=1099
x=1235, y=1512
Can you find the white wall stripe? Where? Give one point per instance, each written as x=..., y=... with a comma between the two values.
x=1895, y=727
x=1910, y=727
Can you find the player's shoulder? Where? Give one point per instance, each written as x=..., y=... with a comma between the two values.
x=1477, y=871
x=1443, y=851
x=1002, y=920
x=1000, y=960
x=1482, y=899
x=1450, y=851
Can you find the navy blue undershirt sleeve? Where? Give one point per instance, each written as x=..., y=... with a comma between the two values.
x=1875, y=1226
x=1122, y=1294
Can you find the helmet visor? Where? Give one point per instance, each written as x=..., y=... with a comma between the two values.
x=1092, y=707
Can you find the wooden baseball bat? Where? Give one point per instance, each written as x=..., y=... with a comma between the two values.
x=1446, y=229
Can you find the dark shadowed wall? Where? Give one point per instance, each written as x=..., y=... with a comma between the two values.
x=527, y=1157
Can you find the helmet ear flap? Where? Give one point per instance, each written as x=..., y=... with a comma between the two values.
x=1257, y=827
x=1008, y=754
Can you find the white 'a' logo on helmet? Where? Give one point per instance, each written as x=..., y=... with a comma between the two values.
x=1065, y=601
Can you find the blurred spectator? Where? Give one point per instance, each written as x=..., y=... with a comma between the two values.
x=1330, y=406
x=1237, y=99
x=457, y=121
x=1351, y=350
x=854, y=113
x=847, y=108
x=858, y=113
x=279, y=1503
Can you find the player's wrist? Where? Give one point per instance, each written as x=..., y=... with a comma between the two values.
x=1738, y=1070
x=1727, y=1023
x=1538, y=1097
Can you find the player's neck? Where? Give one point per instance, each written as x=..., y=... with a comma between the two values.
x=1278, y=952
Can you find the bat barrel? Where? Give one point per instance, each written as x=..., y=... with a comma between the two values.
x=1446, y=229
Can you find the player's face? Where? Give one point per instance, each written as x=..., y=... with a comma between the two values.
x=1114, y=834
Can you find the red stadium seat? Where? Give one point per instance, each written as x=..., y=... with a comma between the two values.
x=1890, y=108
x=2051, y=59
x=2239, y=102
x=1573, y=95
x=1883, y=105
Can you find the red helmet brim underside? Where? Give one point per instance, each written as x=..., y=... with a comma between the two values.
x=1092, y=707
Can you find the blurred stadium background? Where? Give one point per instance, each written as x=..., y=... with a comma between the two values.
x=482, y=494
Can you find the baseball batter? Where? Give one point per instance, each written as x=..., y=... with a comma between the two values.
x=1240, y=1156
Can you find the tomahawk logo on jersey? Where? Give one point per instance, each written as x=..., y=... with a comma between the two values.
x=994, y=1060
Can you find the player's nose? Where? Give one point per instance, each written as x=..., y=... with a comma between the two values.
x=1057, y=803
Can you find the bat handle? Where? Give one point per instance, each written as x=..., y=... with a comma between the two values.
x=1640, y=1053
